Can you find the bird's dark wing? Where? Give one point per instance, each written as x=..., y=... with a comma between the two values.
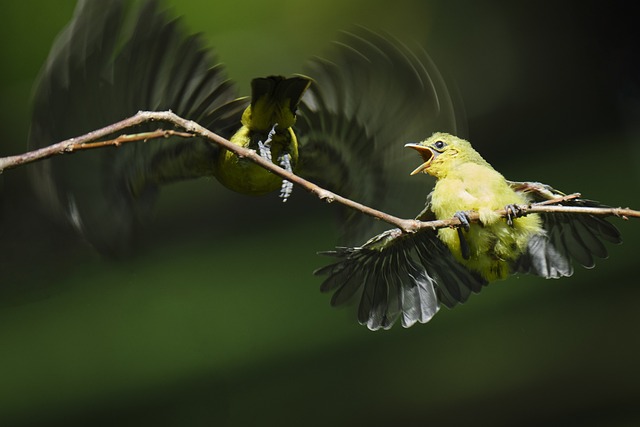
x=113, y=59
x=396, y=275
x=577, y=237
x=370, y=96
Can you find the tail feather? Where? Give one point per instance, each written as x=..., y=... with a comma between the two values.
x=275, y=99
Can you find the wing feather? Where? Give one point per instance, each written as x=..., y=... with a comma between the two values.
x=370, y=96
x=567, y=237
x=112, y=60
x=396, y=275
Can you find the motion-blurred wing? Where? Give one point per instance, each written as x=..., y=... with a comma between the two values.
x=370, y=96
x=577, y=237
x=396, y=275
x=113, y=59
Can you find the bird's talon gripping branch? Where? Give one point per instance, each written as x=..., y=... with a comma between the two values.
x=464, y=219
x=513, y=211
x=465, y=224
x=264, y=148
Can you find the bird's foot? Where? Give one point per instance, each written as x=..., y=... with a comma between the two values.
x=464, y=246
x=463, y=216
x=513, y=212
x=287, y=186
x=264, y=148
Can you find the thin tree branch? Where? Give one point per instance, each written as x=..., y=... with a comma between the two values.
x=542, y=207
x=192, y=129
x=84, y=142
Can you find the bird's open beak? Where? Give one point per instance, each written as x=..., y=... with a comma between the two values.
x=426, y=154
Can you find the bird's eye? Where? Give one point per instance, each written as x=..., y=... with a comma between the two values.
x=439, y=145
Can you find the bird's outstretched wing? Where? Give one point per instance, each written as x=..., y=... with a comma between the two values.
x=569, y=237
x=396, y=275
x=115, y=58
x=370, y=96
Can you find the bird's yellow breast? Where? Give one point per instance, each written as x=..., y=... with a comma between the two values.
x=493, y=244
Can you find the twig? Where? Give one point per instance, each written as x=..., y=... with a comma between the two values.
x=83, y=143
x=192, y=129
x=541, y=207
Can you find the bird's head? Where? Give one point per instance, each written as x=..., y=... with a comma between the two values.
x=442, y=153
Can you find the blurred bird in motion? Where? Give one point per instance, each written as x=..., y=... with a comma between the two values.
x=408, y=276
x=266, y=127
x=117, y=57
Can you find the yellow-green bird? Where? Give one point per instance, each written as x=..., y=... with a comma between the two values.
x=466, y=182
x=408, y=276
x=267, y=126
x=117, y=57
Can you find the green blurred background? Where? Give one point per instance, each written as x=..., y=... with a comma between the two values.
x=217, y=320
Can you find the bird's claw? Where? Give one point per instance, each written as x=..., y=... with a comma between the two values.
x=513, y=212
x=264, y=148
x=284, y=161
x=464, y=219
x=287, y=186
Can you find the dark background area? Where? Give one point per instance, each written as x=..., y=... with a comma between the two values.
x=217, y=320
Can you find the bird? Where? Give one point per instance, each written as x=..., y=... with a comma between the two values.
x=331, y=124
x=408, y=276
x=267, y=125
